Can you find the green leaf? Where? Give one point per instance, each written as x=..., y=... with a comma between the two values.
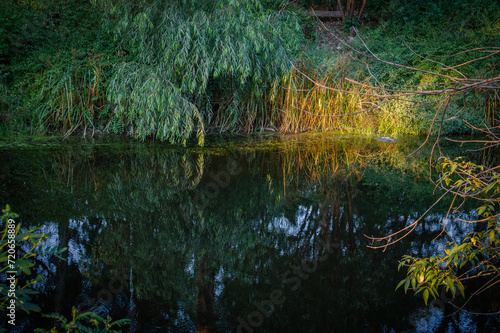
x=449, y=284
x=461, y=289
x=407, y=284
x=490, y=186
x=24, y=263
x=426, y=295
x=30, y=291
x=400, y=284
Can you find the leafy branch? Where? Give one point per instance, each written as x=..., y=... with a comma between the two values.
x=477, y=256
x=87, y=322
x=80, y=322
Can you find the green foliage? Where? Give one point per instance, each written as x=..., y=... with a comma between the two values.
x=478, y=253
x=404, y=118
x=350, y=22
x=176, y=52
x=10, y=243
x=399, y=41
x=17, y=239
x=463, y=14
x=55, y=63
x=70, y=93
x=299, y=97
x=472, y=180
x=427, y=275
x=84, y=322
x=436, y=30
x=429, y=35
x=150, y=105
x=169, y=69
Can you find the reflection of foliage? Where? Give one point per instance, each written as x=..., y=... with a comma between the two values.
x=182, y=224
x=190, y=232
x=161, y=223
x=13, y=239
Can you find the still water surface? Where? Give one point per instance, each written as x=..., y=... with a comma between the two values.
x=247, y=234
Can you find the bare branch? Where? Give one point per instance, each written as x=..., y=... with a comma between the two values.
x=408, y=229
x=434, y=61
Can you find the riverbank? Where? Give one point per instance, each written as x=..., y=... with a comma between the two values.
x=242, y=67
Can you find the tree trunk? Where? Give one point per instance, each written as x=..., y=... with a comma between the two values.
x=205, y=292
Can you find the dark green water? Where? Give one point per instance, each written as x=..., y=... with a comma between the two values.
x=248, y=234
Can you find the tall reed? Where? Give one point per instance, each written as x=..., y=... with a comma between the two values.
x=70, y=93
x=305, y=106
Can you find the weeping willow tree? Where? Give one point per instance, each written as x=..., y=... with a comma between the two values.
x=197, y=64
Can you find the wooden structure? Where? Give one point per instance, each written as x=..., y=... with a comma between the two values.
x=326, y=14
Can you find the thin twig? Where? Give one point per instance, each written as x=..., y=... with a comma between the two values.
x=411, y=227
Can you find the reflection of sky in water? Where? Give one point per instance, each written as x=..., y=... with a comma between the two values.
x=218, y=282
x=455, y=230
x=182, y=320
x=51, y=241
x=429, y=321
x=293, y=223
x=76, y=245
x=76, y=252
x=291, y=228
x=424, y=320
x=465, y=322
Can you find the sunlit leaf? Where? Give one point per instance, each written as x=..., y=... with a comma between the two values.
x=426, y=295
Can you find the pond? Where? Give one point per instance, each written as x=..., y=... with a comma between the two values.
x=258, y=233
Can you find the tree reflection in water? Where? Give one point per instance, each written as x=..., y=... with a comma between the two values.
x=260, y=235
